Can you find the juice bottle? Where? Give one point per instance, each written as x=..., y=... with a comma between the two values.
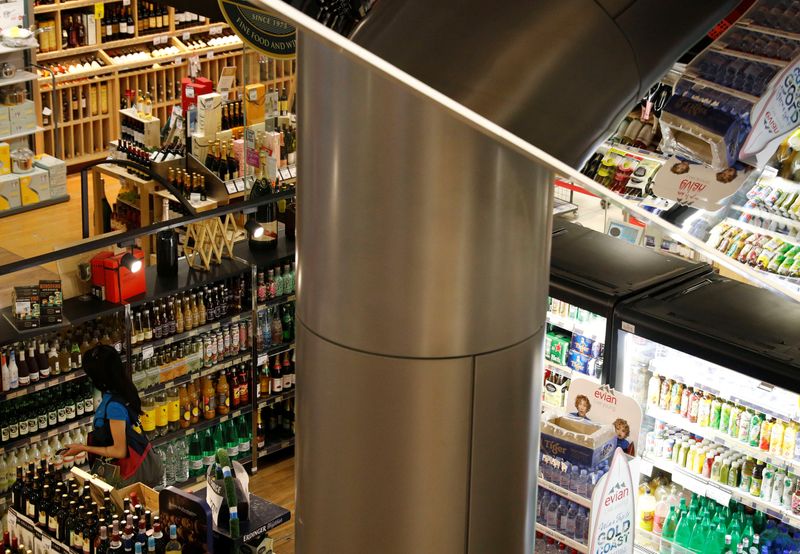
x=725, y=416
x=162, y=421
x=724, y=471
x=654, y=390
x=195, y=400
x=716, y=412
x=776, y=437
x=694, y=406
x=766, y=432
x=223, y=397
x=664, y=398
x=716, y=469
x=149, y=417
x=675, y=398
x=733, y=475
x=174, y=409
x=699, y=460
x=733, y=423
x=685, y=399
x=647, y=508
x=209, y=398
x=755, y=429
x=185, y=407
x=743, y=433
x=746, y=480
x=789, y=440
x=704, y=410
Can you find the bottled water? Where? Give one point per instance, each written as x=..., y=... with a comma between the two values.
x=552, y=513
x=561, y=514
x=574, y=476
x=182, y=453
x=571, y=521
x=582, y=526
x=541, y=508
x=169, y=467
x=564, y=475
x=163, y=455
x=582, y=487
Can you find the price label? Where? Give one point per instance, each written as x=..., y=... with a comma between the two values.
x=645, y=467
x=186, y=36
x=210, y=55
x=284, y=173
x=156, y=41
x=293, y=171
x=230, y=186
x=47, y=543
x=718, y=494
x=99, y=10
x=689, y=482
x=262, y=359
x=240, y=185
x=126, y=2
x=12, y=521
x=147, y=352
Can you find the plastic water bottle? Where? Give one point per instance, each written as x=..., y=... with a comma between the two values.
x=182, y=451
x=552, y=512
x=169, y=468
x=582, y=526
x=582, y=487
x=561, y=514
x=163, y=455
x=541, y=507
x=572, y=521
x=574, y=475
x=564, y=475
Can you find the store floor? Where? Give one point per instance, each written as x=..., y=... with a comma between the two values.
x=274, y=481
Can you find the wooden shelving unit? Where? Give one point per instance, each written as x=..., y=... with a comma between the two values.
x=84, y=135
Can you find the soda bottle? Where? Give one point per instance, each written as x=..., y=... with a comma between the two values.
x=668, y=531
x=231, y=439
x=207, y=442
x=700, y=536
x=684, y=529
x=244, y=432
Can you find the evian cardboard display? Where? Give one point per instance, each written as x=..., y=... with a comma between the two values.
x=613, y=510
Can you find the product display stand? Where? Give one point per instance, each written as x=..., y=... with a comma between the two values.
x=20, y=526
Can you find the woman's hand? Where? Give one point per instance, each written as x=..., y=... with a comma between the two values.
x=74, y=449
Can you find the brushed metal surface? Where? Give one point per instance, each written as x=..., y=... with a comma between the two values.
x=505, y=448
x=419, y=236
x=383, y=452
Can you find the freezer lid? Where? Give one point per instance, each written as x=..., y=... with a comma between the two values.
x=738, y=326
x=595, y=271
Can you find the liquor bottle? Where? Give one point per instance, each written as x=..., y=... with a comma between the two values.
x=233, y=166
x=149, y=417
x=211, y=158
x=42, y=361
x=22, y=371
x=286, y=372
x=162, y=419
x=283, y=102
x=6, y=374
x=277, y=378
x=276, y=328
x=244, y=385
x=287, y=323
x=187, y=314
x=147, y=329
x=33, y=365
x=223, y=394
x=131, y=26
x=173, y=546
x=103, y=543
x=157, y=326
x=209, y=399
x=167, y=247
x=173, y=409
x=115, y=546
x=75, y=361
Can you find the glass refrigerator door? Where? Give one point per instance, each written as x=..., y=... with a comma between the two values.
x=719, y=457
x=574, y=346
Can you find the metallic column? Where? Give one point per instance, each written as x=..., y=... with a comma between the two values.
x=422, y=281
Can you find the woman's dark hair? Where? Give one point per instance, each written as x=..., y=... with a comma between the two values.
x=103, y=365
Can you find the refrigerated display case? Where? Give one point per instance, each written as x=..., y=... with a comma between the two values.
x=590, y=273
x=715, y=365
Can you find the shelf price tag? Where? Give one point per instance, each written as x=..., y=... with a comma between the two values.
x=47, y=543
x=262, y=359
x=718, y=494
x=12, y=520
x=147, y=352
x=645, y=467
x=689, y=482
x=186, y=36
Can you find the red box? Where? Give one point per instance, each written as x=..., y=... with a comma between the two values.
x=121, y=283
x=98, y=268
x=190, y=90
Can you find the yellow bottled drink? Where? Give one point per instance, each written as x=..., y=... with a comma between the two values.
x=789, y=440
x=776, y=437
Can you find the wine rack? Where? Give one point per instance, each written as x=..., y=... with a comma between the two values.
x=98, y=75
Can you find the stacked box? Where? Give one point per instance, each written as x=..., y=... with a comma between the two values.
x=51, y=301
x=556, y=348
x=25, y=303
x=209, y=114
x=57, y=170
x=5, y=122
x=5, y=158
x=9, y=192
x=254, y=102
x=22, y=117
x=577, y=441
x=34, y=186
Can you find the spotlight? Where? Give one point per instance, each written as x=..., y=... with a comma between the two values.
x=133, y=263
x=254, y=229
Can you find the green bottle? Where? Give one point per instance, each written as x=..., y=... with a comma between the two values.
x=716, y=538
x=748, y=531
x=668, y=531
x=231, y=438
x=699, y=539
x=195, y=456
x=218, y=438
x=683, y=532
x=207, y=443
x=735, y=530
x=243, y=429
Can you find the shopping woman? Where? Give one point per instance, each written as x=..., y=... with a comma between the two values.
x=118, y=448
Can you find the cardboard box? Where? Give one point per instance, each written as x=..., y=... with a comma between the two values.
x=57, y=170
x=5, y=158
x=209, y=114
x=577, y=441
x=9, y=192
x=254, y=102
x=25, y=305
x=22, y=117
x=191, y=90
x=145, y=496
x=51, y=300
x=34, y=186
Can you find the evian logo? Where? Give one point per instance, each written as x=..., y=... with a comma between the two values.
x=606, y=394
x=620, y=491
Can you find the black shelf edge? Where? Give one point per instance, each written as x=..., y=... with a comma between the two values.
x=216, y=324
x=274, y=350
x=201, y=426
x=278, y=300
x=283, y=253
x=205, y=371
x=74, y=312
x=35, y=206
x=42, y=384
x=52, y=432
x=276, y=446
x=276, y=398
x=187, y=278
